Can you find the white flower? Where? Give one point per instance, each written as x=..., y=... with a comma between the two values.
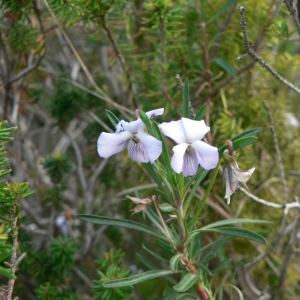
x=142, y=147
x=190, y=151
x=233, y=176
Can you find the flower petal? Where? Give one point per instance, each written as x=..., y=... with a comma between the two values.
x=194, y=130
x=156, y=112
x=152, y=146
x=133, y=127
x=207, y=155
x=177, y=158
x=112, y=143
x=190, y=162
x=174, y=130
x=136, y=151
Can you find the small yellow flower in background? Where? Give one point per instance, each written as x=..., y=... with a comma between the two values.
x=141, y=204
x=233, y=176
x=3, y=236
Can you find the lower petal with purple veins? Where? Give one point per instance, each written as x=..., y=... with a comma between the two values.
x=190, y=162
x=136, y=151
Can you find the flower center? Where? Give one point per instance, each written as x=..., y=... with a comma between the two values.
x=135, y=140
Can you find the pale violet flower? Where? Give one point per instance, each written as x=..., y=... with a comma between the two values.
x=141, y=146
x=233, y=176
x=190, y=151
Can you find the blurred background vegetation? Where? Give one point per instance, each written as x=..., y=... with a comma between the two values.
x=63, y=62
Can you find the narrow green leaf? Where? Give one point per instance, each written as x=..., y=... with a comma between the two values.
x=186, y=282
x=199, y=178
x=147, y=122
x=4, y=172
x=114, y=120
x=204, y=268
x=4, y=138
x=222, y=10
x=102, y=220
x=186, y=99
x=26, y=194
x=154, y=219
x=201, y=112
x=235, y=221
x=243, y=142
x=216, y=243
x=150, y=169
x=165, y=154
x=136, y=278
x=225, y=66
x=174, y=261
x=246, y=133
x=155, y=255
x=8, y=130
x=239, y=232
x=4, y=245
x=5, y=254
x=166, y=207
x=7, y=273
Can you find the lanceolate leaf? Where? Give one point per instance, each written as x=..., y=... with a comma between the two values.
x=225, y=66
x=119, y=222
x=174, y=261
x=112, y=117
x=200, y=114
x=235, y=221
x=136, y=278
x=186, y=282
x=239, y=232
x=237, y=144
x=147, y=122
x=249, y=132
x=7, y=273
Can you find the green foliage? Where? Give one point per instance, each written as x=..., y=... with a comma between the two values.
x=23, y=38
x=9, y=208
x=111, y=267
x=53, y=266
x=48, y=291
x=68, y=102
x=57, y=167
x=157, y=39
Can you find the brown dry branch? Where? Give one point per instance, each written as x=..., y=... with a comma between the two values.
x=250, y=50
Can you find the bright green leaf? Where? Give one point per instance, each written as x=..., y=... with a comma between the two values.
x=201, y=112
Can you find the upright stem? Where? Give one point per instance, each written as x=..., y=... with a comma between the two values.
x=13, y=260
x=202, y=203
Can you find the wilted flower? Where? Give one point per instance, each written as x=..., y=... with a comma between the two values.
x=141, y=204
x=142, y=147
x=233, y=176
x=190, y=151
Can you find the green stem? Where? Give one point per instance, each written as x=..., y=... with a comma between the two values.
x=202, y=203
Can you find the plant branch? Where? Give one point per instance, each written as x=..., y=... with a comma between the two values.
x=257, y=58
x=278, y=152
